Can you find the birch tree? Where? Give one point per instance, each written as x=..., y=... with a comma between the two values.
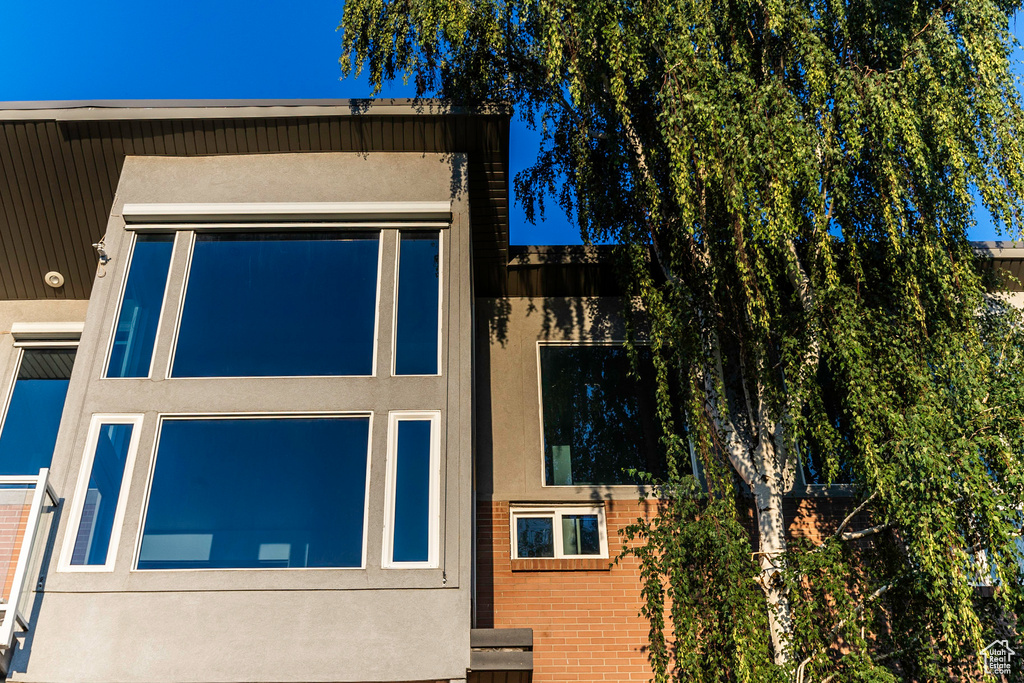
x=791, y=185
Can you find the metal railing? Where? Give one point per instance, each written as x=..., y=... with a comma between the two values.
x=12, y=612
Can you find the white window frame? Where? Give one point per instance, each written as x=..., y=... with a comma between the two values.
x=194, y=230
x=162, y=417
x=434, y=510
x=440, y=303
x=120, y=304
x=555, y=514
x=82, y=488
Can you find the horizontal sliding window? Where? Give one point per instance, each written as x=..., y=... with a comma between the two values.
x=417, y=322
x=257, y=493
x=413, y=462
x=100, y=497
x=131, y=352
x=279, y=304
x=600, y=418
x=34, y=408
x=559, y=532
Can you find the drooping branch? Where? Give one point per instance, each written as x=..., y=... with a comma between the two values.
x=856, y=511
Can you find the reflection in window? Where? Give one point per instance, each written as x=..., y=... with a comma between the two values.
x=558, y=532
x=580, y=535
x=535, y=537
x=279, y=304
x=416, y=336
x=33, y=414
x=411, y=541
x=132, y=351
x=252, y=493
x=816, y=472
x=105, y=478
x=599, y=418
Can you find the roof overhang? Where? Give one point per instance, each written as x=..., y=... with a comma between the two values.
x=60, y=163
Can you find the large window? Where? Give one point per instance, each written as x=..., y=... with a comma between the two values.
x=284, y=339
x=34, y=407
x=279, y=304
x=276, y=492
x=599, y=415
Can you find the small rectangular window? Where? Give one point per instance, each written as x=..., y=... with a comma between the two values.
x=419, y=294
x=131, y=352
x=36, y=402
x=411, y=529
x=101, y=493
x=600, y=418
x=559, y=532
x=279, y=305
x=260, y=492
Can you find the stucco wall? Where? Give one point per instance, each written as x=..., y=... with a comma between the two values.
x=509, y=436
x=368, y=624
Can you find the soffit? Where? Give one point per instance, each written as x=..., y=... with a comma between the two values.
x=60, y=169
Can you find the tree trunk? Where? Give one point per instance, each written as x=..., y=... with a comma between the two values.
x=771, y=527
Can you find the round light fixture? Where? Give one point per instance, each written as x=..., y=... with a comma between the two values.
x=54, y=279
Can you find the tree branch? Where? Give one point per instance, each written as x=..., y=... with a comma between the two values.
x=849, y=517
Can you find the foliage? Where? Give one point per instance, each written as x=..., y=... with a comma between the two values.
x=791, y=183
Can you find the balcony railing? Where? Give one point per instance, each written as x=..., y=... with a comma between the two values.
x=26, y=509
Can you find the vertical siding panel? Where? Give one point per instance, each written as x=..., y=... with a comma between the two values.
x=70, y=241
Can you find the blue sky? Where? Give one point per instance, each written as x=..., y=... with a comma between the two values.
x=210, y=49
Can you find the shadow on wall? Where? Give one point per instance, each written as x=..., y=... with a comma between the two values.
x=559, y=294
x=19, y=655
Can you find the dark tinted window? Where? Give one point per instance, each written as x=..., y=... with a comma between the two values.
x=279, y=304
x=33, y=414
x=132, y=351
x=105, y=479
x=412, y=492
x=599, y=418
x=249, y=493
x=535, y=537
x=416, y=335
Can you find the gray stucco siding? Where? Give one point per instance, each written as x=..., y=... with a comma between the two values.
x=364, y=624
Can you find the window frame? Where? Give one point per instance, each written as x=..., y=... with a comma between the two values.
x=199, y=228
x=540, y=413
x=112, y=332
x=81, y=490
x=441, y=308
x=555, y=513
x=390, y=478
x=162, y=417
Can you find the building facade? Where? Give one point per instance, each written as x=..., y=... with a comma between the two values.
x=280, y=403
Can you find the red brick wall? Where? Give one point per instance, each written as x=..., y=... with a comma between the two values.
x=586, y=624
x=13, y=521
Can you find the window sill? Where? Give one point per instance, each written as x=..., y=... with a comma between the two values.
x=562, y=565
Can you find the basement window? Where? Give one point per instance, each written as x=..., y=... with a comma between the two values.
x=558, y=532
